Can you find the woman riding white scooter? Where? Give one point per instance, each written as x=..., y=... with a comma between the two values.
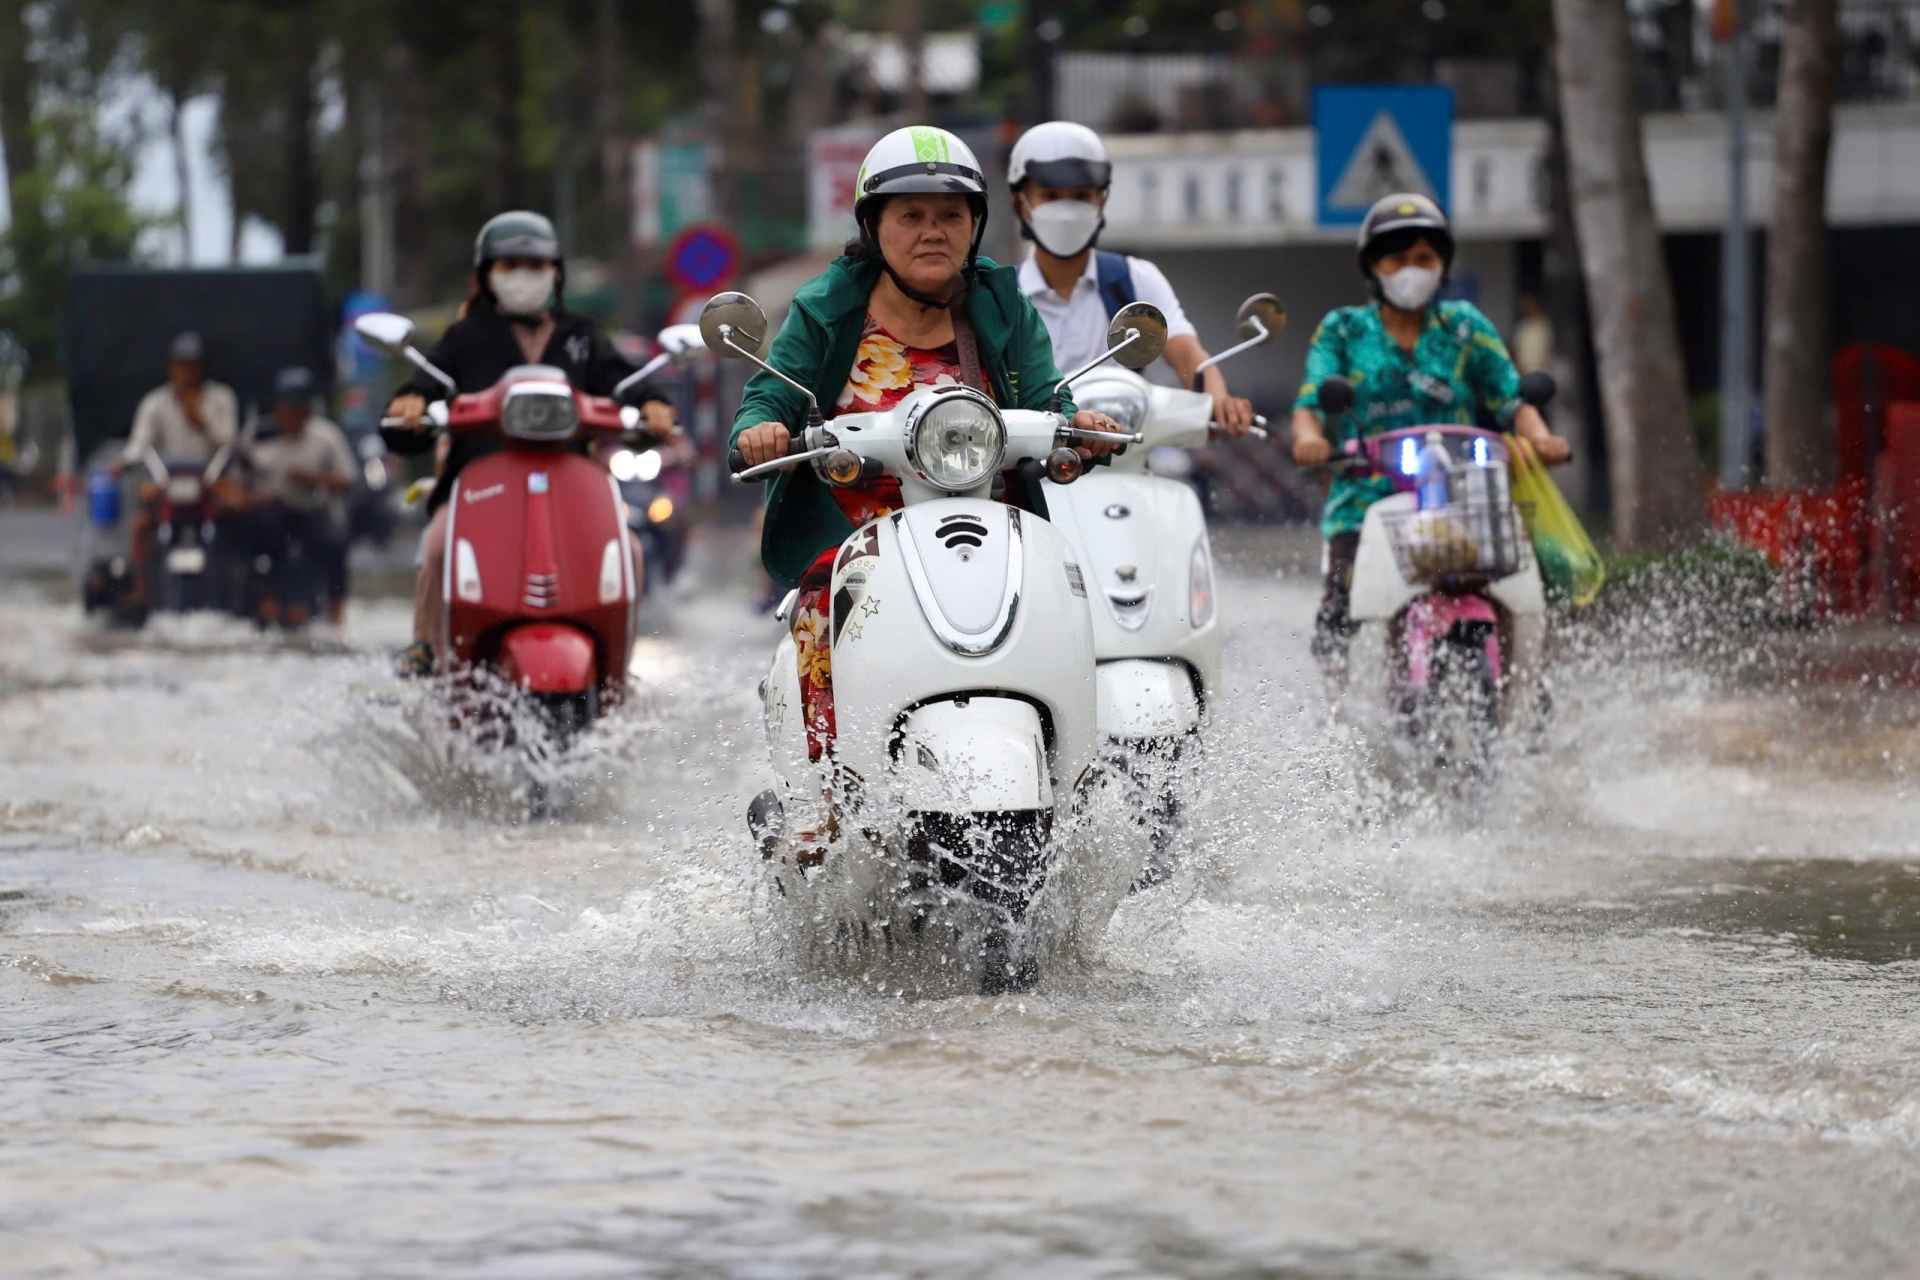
x=910, y=304
x=1411, y=361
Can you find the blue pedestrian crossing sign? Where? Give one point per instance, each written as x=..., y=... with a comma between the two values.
x=1378, y=140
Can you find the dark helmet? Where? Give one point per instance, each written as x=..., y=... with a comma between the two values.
x=519, y=233
x=1391, y=216
x=293, y=385
x=516, y=234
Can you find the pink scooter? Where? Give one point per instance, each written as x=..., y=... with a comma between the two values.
x=1447, y=600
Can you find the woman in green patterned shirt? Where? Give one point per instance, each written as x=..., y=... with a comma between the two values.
x=1411, y=361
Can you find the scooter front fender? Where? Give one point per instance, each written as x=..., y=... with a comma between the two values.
x=1144, y=699
x=980, y=755
x=548, y=657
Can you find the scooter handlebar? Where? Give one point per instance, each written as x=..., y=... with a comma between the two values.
x=1258, y=430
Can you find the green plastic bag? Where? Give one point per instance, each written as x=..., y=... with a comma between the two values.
x=1570, y=567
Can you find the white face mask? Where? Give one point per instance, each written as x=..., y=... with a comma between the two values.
x=1065, y=228
x=1410, y=288
x=522, y=291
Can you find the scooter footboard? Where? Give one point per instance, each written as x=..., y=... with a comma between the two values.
x=1143, y=698
x=975, y=755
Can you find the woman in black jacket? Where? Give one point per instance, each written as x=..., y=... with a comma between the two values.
x=513, y=316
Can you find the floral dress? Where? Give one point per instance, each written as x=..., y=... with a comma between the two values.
x=884, y=371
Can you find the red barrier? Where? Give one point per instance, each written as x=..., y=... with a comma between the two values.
x=1855, y=547
x=1817, y=539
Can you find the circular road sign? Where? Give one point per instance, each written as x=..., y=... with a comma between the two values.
x=702, y=258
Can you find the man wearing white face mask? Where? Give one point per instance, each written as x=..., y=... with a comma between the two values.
x=514, y=314
x=1059, y=173
x=1411, y=361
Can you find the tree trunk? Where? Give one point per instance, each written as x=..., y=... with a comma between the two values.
x=1655, y=474
x=508, y=181
x=1800, y=448
x=406, y=177
x=910, y=29
x=297, y=219
x=616, y=152
x=16, y=108
x=182, y=174
x=717, y=87
x=1576, y=409
x=16, y=129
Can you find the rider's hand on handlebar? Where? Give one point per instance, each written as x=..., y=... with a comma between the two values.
x=1233, y=414
x=657, y=417
x=1552, y=450
x=412, y=409
x=763, y=443
x=1094, y=420
x=1311, y=451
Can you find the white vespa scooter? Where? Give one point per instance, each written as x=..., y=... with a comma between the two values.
x=1142, y=540
x=963, y=662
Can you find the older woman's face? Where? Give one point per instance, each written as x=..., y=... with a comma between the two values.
x=924, y=238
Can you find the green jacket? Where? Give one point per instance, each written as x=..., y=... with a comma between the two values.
x=816, y=347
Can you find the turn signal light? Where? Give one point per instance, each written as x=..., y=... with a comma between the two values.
x=660, y=510
x=842, y=466
x=1063, y=466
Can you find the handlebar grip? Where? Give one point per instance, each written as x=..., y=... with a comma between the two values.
x=736, y=460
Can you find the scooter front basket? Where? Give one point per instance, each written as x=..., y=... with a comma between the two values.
x=1471, y=542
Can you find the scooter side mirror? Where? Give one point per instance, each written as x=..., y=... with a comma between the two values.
x=385, y=332
x=1139, y=330
x=1336, y=396
x=682, y=343
x=1260, y=318
x=1538, y=388
x=733, y=326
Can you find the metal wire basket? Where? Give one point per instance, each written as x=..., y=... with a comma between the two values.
x=1462, y=541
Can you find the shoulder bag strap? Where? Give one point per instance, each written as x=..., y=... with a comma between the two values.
x=969, y=348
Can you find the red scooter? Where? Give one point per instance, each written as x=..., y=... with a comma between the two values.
x=539, y=581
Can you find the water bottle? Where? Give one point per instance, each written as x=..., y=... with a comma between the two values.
x=103, y=499
x=1435, y=489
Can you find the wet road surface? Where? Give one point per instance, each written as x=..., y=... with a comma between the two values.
x=282, y=992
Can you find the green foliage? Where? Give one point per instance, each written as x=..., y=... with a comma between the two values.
x=78, y=194
x=1710, y=577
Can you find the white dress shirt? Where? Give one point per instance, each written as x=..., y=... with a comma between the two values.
x=1078, y=323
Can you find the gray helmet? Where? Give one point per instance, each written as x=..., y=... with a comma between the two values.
x=1404, y=212
x=519, y=233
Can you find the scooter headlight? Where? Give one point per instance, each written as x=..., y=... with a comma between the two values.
x=539, y=411
x=956, y=439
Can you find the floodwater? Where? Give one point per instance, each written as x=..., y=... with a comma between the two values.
x=282, y=993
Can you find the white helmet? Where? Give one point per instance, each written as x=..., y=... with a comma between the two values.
x=1060, y=153
x=915, y=160
x=919, y=158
